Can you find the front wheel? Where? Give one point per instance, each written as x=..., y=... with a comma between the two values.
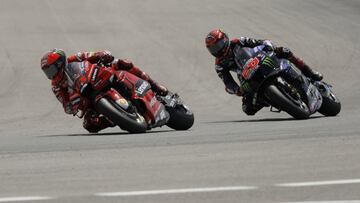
x=131, y=122
x=284, y=101
x=181, y=118
x=330, y=106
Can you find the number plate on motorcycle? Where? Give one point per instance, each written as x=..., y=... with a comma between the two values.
x=250, y=68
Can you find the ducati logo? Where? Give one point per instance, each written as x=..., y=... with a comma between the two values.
x=123, y=103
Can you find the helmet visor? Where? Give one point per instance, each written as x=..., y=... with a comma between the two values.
x=51, y=71
x=217, y=48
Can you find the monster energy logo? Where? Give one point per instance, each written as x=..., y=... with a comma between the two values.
x=246, y=86
x=268, y=62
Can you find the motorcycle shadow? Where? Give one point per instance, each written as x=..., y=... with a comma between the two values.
x=264, y=120
x=107, y=133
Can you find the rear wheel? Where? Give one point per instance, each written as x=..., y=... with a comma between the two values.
x=286, y=102
x=129, y=121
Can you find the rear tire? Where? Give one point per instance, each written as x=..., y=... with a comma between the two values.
x=278, y=99
x=180, y=118
x=131, y=122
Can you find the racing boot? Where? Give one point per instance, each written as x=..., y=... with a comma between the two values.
x=248, y=107
x=94, y=123
x=305, y=69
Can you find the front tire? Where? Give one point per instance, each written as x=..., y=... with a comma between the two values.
x=297, y=109
x=330, y=106
x=180, y=118
x=131, y=122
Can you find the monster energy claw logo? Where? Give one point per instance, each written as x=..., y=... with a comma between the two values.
x=246, y=87
x=269, y=62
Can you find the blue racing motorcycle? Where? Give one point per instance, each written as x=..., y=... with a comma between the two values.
x=277, y=83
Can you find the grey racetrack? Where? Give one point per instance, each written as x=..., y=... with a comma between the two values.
x=46, y=153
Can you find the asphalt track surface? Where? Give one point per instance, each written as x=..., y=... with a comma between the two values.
x=227, y=156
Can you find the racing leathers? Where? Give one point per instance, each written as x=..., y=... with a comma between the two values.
x=225, y=64
x=65, y=93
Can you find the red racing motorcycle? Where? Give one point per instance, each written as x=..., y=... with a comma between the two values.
x=125, y=99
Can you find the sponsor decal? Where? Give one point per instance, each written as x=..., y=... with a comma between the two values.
x=94, y=75
x=152, y=101
x=140, y=90
x=98, y=83
x=82, y=68
x=78, y=56
x=162, y=114
x=250, y=67
x=267, y=61
x=263, y=56
x=172, y=103
x=123, y=103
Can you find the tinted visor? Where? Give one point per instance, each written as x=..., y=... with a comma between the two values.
x=51, y=71
x=218, y=48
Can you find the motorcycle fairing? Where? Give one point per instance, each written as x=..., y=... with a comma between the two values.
x=155, y=113
x=270, y=66
x=325, y=90
x=314, y=98
x=141, y=87
x=173, y=101
x=117, y=98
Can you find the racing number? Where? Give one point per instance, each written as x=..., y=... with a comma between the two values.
x=249, y=68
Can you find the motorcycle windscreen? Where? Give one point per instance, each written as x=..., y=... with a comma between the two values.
x=74, y=70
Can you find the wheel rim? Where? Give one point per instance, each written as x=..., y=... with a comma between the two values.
x=295, y=98
x=133, y=114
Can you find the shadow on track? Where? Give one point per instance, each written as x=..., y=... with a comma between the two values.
x=106, y=134
x=263, y=120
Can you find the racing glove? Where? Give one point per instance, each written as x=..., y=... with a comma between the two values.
x=158, y=89
x=269, y=46
x=105, y=56
x=69, y=109
x=237, y=91
x=162, y=90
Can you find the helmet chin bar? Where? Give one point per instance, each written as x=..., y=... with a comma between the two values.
x=51, y=71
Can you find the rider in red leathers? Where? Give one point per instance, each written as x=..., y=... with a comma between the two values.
x=219, y=45
x=53, y=64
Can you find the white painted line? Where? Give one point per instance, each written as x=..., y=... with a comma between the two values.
x=19, y=199
x=338, y=201
x=319, y=183
x=175, y=191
